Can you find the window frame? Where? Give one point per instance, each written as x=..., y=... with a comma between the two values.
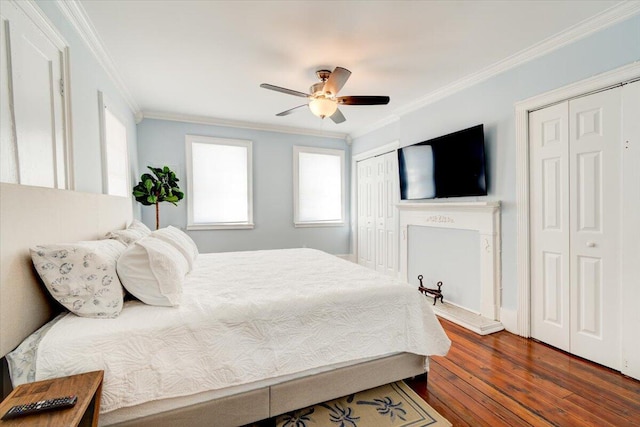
x=297, y=149
x=102, y=106
x=239, y=225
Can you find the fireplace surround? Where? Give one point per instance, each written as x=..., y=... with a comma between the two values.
x=483, y=217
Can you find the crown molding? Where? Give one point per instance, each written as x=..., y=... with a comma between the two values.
x=204, y=120
x=375, y=126
x=78, y=18
x=611, y=16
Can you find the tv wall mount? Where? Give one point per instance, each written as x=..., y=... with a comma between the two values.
x=436, y=294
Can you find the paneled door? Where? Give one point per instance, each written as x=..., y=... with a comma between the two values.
x=595, y=163
x=575, y=157
x=386, y=216
x=32, y=128
x=366, y=221
x=377, y=214
x=549, y=160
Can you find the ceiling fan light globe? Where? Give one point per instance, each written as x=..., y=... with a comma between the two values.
x=323, y=107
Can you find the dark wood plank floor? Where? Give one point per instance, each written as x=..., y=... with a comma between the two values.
x=506, y=380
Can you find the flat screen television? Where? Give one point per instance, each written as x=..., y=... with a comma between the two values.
x=448, y=166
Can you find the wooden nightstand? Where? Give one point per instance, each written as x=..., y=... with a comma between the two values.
x=88, y=388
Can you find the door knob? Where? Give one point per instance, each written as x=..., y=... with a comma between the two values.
x=591, y=244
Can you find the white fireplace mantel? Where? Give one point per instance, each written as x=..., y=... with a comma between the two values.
x=483, y=217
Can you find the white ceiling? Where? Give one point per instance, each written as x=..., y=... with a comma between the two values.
x=208, y=58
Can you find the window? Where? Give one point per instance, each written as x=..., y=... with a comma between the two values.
x=219, y=183
x=318, y=186
x=115, y=152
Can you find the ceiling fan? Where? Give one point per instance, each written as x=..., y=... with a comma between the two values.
x=323, y=99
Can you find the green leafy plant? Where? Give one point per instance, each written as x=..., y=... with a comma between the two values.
x=163, y=187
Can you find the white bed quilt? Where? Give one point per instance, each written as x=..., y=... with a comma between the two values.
x=244, y=317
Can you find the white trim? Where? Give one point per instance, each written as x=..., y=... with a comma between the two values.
x=222, y=226
x=393, y=118
x=189, y=140
x=297, y=149
x=318, y=224
x=33, y=12
x=378, y=151
x=383, y=149
x=509, y=319
x=599, y=82
x=611, y=16
x=102, y=130
x=75, y=14
x=204, y=120
x=67, y=122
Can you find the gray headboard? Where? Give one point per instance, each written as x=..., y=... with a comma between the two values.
x=31, y=216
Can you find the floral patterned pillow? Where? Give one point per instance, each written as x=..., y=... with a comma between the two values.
x=131, y=234
x=82, y=276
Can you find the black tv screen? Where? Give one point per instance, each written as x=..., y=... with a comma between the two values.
x=448, y=166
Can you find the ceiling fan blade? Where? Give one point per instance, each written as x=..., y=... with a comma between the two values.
x=337, y=117
x=337, y=79
x=292, y=110
x=363, y=100
x=284, y=90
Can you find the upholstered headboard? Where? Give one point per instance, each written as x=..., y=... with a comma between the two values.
x=33, y=215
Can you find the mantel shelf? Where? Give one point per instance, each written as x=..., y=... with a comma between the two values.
x=448, y=205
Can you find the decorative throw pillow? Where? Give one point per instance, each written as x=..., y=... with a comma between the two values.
x=179, y=240
x=82, y=276
x=153, y=271
x=131, y=234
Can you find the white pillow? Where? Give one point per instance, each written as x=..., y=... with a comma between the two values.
x=137, y=225
x=179, y=240
x=82, y=276
x=131, y=234
x=153, y=271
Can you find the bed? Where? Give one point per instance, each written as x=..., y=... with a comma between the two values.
x=283, y=357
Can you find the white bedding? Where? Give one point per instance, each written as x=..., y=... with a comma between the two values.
x=244, y=317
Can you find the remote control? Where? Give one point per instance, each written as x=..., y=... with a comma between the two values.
x=41, y=406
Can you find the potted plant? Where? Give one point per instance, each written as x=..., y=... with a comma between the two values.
x=163, y=187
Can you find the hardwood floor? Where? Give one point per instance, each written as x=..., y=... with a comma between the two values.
x=506, y=380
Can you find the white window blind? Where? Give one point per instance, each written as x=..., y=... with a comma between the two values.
x=318, y=186
x=219, y=183
x=115, y=153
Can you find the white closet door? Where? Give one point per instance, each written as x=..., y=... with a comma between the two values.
x=366, y=221
x=576, y=181
x=630, y=256
x=595, y=185
x=549, y=160
x=34, y=75
x=386, y=217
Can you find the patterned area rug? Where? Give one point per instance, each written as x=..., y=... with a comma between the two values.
x=389, y=405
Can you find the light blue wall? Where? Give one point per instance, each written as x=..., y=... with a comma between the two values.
x=162, y=142
x=492, y=102
x=87, y=78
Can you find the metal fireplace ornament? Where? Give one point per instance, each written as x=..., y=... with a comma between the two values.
x=435, y=293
